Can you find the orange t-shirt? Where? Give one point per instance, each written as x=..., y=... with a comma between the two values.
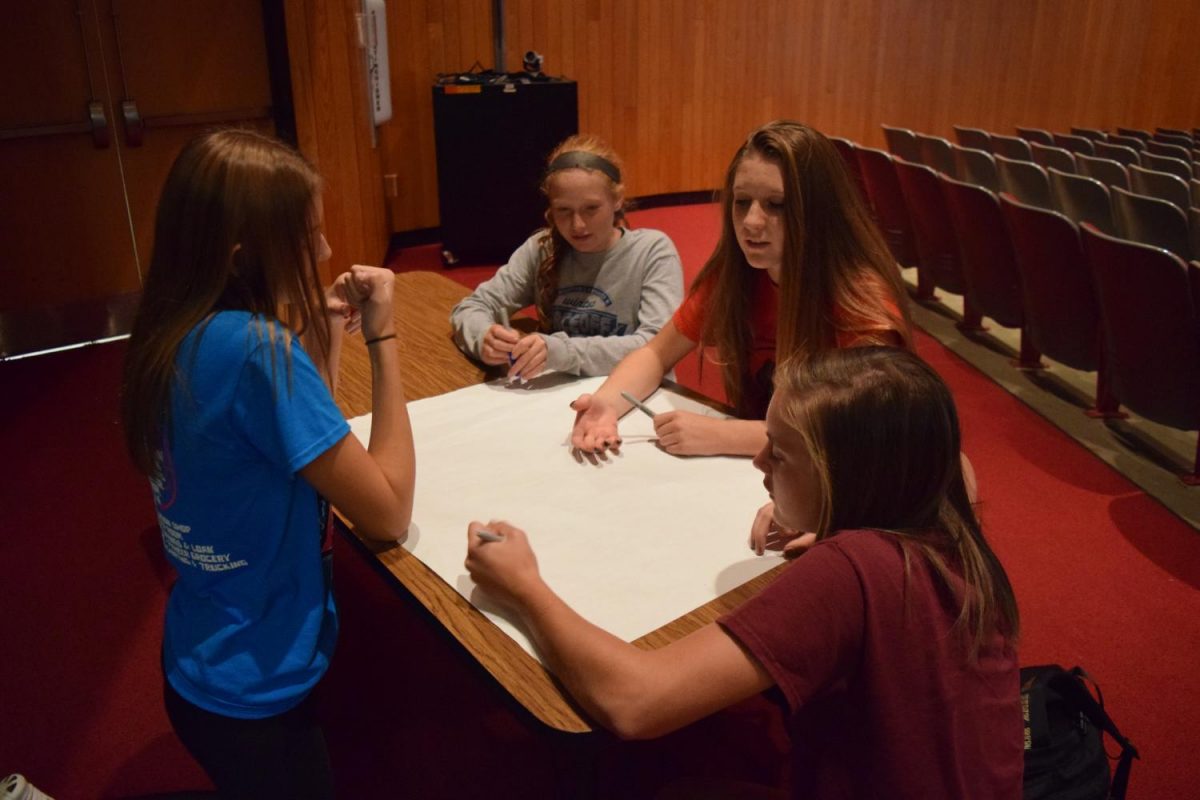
x=691, y=316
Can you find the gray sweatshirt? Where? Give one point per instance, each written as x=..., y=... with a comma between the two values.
x=607, y=305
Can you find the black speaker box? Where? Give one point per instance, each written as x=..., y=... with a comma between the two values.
x=492, y=142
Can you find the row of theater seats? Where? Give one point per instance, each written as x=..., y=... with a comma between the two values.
x=1079, y=294
x=1141, y=195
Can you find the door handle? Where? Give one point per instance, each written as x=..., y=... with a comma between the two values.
x=98, y=124
x=135, y=126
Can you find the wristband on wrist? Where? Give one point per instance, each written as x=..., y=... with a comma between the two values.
x=381, y=339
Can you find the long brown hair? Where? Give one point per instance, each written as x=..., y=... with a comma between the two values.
x=233, y=231
x=834, y=257
x=883, y=433
x=554, y=247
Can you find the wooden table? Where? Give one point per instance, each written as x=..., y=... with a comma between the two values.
x=431, y=364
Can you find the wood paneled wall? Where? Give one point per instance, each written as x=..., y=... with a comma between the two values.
x=425, y=38
x=333, y=126
x=675, y=85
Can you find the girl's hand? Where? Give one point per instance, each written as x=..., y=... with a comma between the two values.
x=498, y=345
x=369, y=289
x=595, y=427
x=767, y=534
x=506, y=570
x=683, y=433
x=339, y=307
x=529, y=357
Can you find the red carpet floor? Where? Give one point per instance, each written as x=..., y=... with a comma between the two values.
x=1105, y=577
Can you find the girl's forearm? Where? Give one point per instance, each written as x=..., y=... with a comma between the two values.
x=328, y=361
x=743, y=437
x=607, y=676
x=391, y=442
x=333, y=359
x=639, y=693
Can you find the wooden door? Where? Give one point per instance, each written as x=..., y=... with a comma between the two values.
x=78, y=191
x=182, y=67
x=65, y=234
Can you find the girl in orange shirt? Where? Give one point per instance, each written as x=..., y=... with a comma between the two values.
x=800, y=268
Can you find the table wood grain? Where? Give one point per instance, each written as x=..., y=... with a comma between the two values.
x=431, y=364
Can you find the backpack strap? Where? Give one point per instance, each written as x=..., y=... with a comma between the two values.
x=1070, y=685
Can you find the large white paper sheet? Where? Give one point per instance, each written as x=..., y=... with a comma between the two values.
x=630, y=543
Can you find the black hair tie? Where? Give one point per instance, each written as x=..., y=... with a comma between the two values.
x=582, y=159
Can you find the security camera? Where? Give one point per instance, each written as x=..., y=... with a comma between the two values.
x=533, y=62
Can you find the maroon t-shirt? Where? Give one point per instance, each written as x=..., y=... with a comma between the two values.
x=883, y=701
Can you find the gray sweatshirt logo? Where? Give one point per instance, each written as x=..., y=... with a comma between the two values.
x=578, y=311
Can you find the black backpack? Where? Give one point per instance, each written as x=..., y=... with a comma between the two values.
x=1064, y=748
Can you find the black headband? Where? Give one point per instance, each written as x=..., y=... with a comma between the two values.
x=580, y=158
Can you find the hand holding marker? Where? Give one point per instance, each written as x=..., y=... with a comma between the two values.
x=508, y=326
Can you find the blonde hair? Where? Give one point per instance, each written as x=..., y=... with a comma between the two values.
x=554, y=247
x=834, y=257
x=882, y=430
x=233, y=231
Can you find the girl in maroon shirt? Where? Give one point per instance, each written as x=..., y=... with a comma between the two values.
x=892, y=638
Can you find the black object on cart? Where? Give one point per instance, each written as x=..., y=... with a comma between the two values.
x=493, y=132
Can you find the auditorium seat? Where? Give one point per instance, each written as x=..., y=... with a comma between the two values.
x=1169, y=150
x=1081, y=199
x=846, y=149
x=1151, y=221
x=993, y=284
x=1167, y=138
x=1173, y=132
x=937, y=249
x=902, y=142
x=936, y=154
x=1162, y=185
x=1148, y=301
x=1089, y=133
x=1055, y=157
x=1194, y=230
x=1034, y=135
x=887, y=201
x=1117, y=152
x=1174, y=166
x=1195, y=184
x=1062, y=317
x=1076, y=144
x=1011, y=147
x=1024, y=180
x=977, y=167
x=974, y=138
x=1136, y=133
x=1108, y=172
x=1128, y=141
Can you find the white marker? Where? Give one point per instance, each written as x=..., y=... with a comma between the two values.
x=638, y=404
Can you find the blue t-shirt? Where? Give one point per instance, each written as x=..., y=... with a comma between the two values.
x=250, y=624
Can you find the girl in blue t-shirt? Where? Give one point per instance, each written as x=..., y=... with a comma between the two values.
x=228, y=409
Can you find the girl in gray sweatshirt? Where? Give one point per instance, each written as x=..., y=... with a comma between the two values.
x=600, y=289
